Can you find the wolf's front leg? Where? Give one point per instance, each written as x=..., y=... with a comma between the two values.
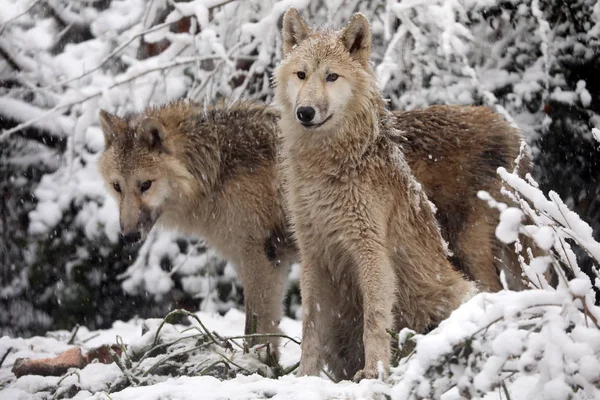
x=264, y=288
x=376, y=280
x=316, y=291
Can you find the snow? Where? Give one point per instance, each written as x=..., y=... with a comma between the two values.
x=508, y=228
x=45, y=217
x=495, y=325
x=247, y=387
x=596, y=134
x=435, y=54
x=554, y=208
x=96, y=377
x=584, y=96
x=20, y=110
x=121, y=14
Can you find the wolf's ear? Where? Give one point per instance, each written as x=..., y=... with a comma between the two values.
x=110, y=125
x=152, y=132
x=294, y=30
x=356, y=36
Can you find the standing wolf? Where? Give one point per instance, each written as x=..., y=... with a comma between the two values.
x=371, y=251
x=212, y=173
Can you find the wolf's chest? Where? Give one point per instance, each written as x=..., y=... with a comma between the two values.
x=316, y=199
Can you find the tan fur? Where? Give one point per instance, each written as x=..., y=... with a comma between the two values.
x=213, y=175
x=430, y=132
x=210, y=171
x=454, y=151
x=371, y=251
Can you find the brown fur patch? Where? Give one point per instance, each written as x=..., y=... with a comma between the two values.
x=454, y=151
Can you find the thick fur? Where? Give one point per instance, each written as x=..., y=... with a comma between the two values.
x=372, y=254
x=454, y=151
x=214, y=151
x=192, y=181
x=213, y=174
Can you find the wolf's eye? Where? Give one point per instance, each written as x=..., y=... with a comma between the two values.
x=332, y=77
x=301, y=75
x=145, y=186
x=117, y=187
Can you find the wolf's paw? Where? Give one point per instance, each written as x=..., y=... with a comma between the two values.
x=370, y=373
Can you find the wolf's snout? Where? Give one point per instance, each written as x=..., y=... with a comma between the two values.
x=132, y=237
x=305, y=114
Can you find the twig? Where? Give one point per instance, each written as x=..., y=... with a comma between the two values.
x=68, y=375
x=176, y=268
x=231, y=362
x=262, y=335
x=121, y=345
x=165, y=345
x=189, y=314
x=108, y=57
x=13, y=64
x=291, y=369
x=213, y=365
x=90, y=338
x=211, y=74
x=119, y=49
x=327, y=374
x=133, y=381
x=587, y=313
x=5, y=355
x=75, y=330
x=148, y=9
x=8, y=21
x=505, y=391
x=173, y=355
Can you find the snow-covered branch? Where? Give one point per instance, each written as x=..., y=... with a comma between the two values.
x=544, y=341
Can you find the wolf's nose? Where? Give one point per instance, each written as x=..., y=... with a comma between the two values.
x=305, y=114
x=132, y=237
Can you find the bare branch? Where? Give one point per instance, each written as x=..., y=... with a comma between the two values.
x=13, y=64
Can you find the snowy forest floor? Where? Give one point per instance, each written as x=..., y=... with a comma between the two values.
x=94, y=380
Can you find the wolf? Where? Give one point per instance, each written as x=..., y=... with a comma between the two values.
x=211, y=172
x=372, y=254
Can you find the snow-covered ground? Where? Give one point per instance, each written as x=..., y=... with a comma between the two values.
x=505, y=346
x=94, y=379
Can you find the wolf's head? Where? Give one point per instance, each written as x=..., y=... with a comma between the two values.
x=323, y=73
x=139, y=170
